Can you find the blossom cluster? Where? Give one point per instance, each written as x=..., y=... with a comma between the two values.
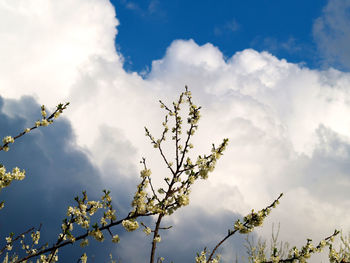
x=157, y=239
x=48, y=258
x=202, y=258
x=254, y=219
x=45, y=121
x=130, y=225
x=29, y=248
x=295, y=255
x=81, y=215
x=141, y=202
x=7, y=177
x=343, y=253
x=6, y=141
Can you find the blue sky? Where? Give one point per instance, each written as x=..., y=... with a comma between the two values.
x=272, y=76
x=283, y=28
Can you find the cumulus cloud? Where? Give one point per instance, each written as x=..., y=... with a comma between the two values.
x=274, y=113
x=40, y=38
x=331, y=32
x=288, y=125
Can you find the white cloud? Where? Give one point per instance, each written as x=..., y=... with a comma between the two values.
x=332, y=34
x=40, y=38
x=288, y=125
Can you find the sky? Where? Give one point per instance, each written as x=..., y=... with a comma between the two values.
x=272, y=76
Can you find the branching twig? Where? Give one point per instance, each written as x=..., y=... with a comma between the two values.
x=247, y=224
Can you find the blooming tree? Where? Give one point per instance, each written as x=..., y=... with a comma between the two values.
x=148, y=201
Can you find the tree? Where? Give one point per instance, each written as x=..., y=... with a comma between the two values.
x=148, y=201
